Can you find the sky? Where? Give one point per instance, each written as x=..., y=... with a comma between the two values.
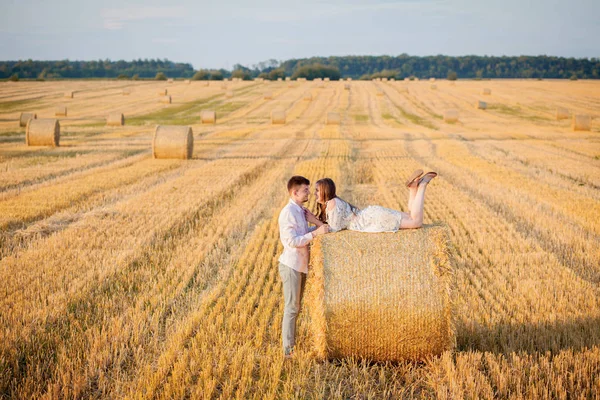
x=220, y=34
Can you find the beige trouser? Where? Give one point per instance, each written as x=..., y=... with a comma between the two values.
x=293, y=289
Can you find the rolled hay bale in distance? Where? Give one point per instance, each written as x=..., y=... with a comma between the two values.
x=287, y=78
x=268, y=96
x=68, y=94
x=126, y=92
x=384, y=79
x=480, y=105
x=380, y=92
x=205, y=83
x=162, y=92
x=165, y=99
x=431, y=79
x=348, y=79
x=279, y=79
x=582, y=123
x=326, y=79
x=187, y=81
x=172, y=141
x=392, y=79
x=307, y=96
x=25, y=117
x=346, y=87
x=562, y=113
x=277, y=117
x=433, y=87
x=381, y=296
x=486, y=91
x=333, y=118
x=115, y=119
x=229, y=94
x=208, y=117
x=60, y=111
x=42, y=132
x=170, y=80
x=451, y=116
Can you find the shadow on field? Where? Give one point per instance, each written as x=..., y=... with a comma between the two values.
x=530, y=337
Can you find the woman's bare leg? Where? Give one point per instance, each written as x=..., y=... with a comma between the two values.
x=415, y=220
x=412, y=192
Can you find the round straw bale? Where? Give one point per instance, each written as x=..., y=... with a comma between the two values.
x=162, y=92
x=69, y=94
x=229, y=94
x=348, y=79
x=333, y=118
x=126, y=92
x=25, y=117
x=208, y=117
x=277, y=117
x=279, y=79
x=384, y=79
x=287, y=78
x=406, y=79
x=346, y=87
x=392, y=79
x=381, y=296
x=187, y=81
x=165, y=99
x=60, y=111
x=268, y=95
x=115, y=119
x=42, y=132
x=433, y=87
x=431, y=79
x=416, y=79
x=326, y=79
x=481, y=105
x=307, y=96
x=380, y=92
x=205, y=83
x=486, y=91
x=170, y=80
x=290, y=84
x=451, y=116
x=172, y=141
x=582, y=122
x=562, y=113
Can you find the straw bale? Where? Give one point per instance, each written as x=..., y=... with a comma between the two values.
x=126, y=92
x=406, y=79
x=162, y=92
x=380, y=92
x=486, y=91
x=326, y=79
x=115, y=119
x=187, y=81
x=333, y=118
x=229, y=94
x=277, y=117
x=320, y=84
x=170, y=80
x=208, y=117
x=451, y=116
x=25, y=117
x=348, y=79
x=60, y=111
x=346, y=87
x=165, y=99
x=433, y=87
x=307, y=96
x=431, y=79
x=42, y=132
x=481, y=105
x=268, y=95
x=582, y=122
x=287, y=78
x=279, y=79
x=416, y=79
x=381, y=296
x=384, y=79
x=205, y=83
x=392, y=79
x=172, y=141
x=69, y=94
x=562, y=113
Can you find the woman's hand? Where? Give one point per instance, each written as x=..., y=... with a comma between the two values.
x=310, y=217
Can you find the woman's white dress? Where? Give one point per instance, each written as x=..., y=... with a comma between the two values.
x=370, y=219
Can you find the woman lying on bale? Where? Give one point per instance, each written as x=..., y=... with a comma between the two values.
x=340, y=214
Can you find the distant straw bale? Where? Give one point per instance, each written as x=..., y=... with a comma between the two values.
x=346, y=87
x=562, y=113
x=307, y=96
x=380, y=92
x=170, y=80
x=433, y=87
x=42, y=132
x=115, y=119
x=187, y=81
x=279, y=79
x=69, y=94
x=165, y=99
x=481, y=105
x=582, y=123
x=172, y=141
x=381, y=296
x=126, y=92
x=25, y=117
x=326, y=79
x=229, y=94
x=277, y=117
x=384, y=79
x=60, y=111
x=208, y=117
x=333, y=118
x=486, y=91
x=451, y=116
x=268, y=96
x=431, y=79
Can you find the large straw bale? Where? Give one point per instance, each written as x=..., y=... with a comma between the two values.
x=208, y=117
x=481, y=105
x=277, y=117
x=582, y=122
x=562, y=113
x=162, y=92
x=115, y=119
x=42, y=132
x=451, y=115
x=381, y=296
x=333, y=118
x=172, y=141
x=25, y=117
x=268, y=96
x=69, y=94
x=307, y=96
x=165, y=99
x=60, y=111
x=486, y=91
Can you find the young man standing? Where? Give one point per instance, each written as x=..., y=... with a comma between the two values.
x=293, y=263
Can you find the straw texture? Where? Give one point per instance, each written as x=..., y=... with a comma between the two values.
x=42, y=132
x=381, y=296
x=277, y=117
x=171, y=141
x=208, y=117
x=333, y=118
x=582, y=123
x=165, y=99
x=115, y=119
x=451, y=116
x=25, y=117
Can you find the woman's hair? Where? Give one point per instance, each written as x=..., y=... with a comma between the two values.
x=326, y=193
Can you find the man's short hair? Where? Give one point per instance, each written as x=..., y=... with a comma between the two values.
x=296, y=181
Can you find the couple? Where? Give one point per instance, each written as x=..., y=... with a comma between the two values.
x=333, y=215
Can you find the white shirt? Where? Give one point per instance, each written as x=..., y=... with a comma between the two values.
x=295, y=236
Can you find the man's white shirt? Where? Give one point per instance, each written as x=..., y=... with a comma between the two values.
x=295, y=236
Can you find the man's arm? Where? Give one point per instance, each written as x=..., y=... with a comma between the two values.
x=287, y=233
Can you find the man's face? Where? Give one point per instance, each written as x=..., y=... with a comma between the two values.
x=301, y=193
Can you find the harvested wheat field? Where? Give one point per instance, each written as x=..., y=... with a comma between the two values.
x=128, y=276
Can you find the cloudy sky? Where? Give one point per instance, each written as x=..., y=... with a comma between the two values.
x=219, y=34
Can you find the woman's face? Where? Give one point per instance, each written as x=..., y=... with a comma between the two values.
x=318, y=194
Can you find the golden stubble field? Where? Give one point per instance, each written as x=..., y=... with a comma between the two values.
x=128, y=277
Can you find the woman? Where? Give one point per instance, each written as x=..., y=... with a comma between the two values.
x=340, y=214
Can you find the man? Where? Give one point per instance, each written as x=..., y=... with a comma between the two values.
x=293, y=263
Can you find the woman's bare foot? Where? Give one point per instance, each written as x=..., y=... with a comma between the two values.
x=427, y=177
